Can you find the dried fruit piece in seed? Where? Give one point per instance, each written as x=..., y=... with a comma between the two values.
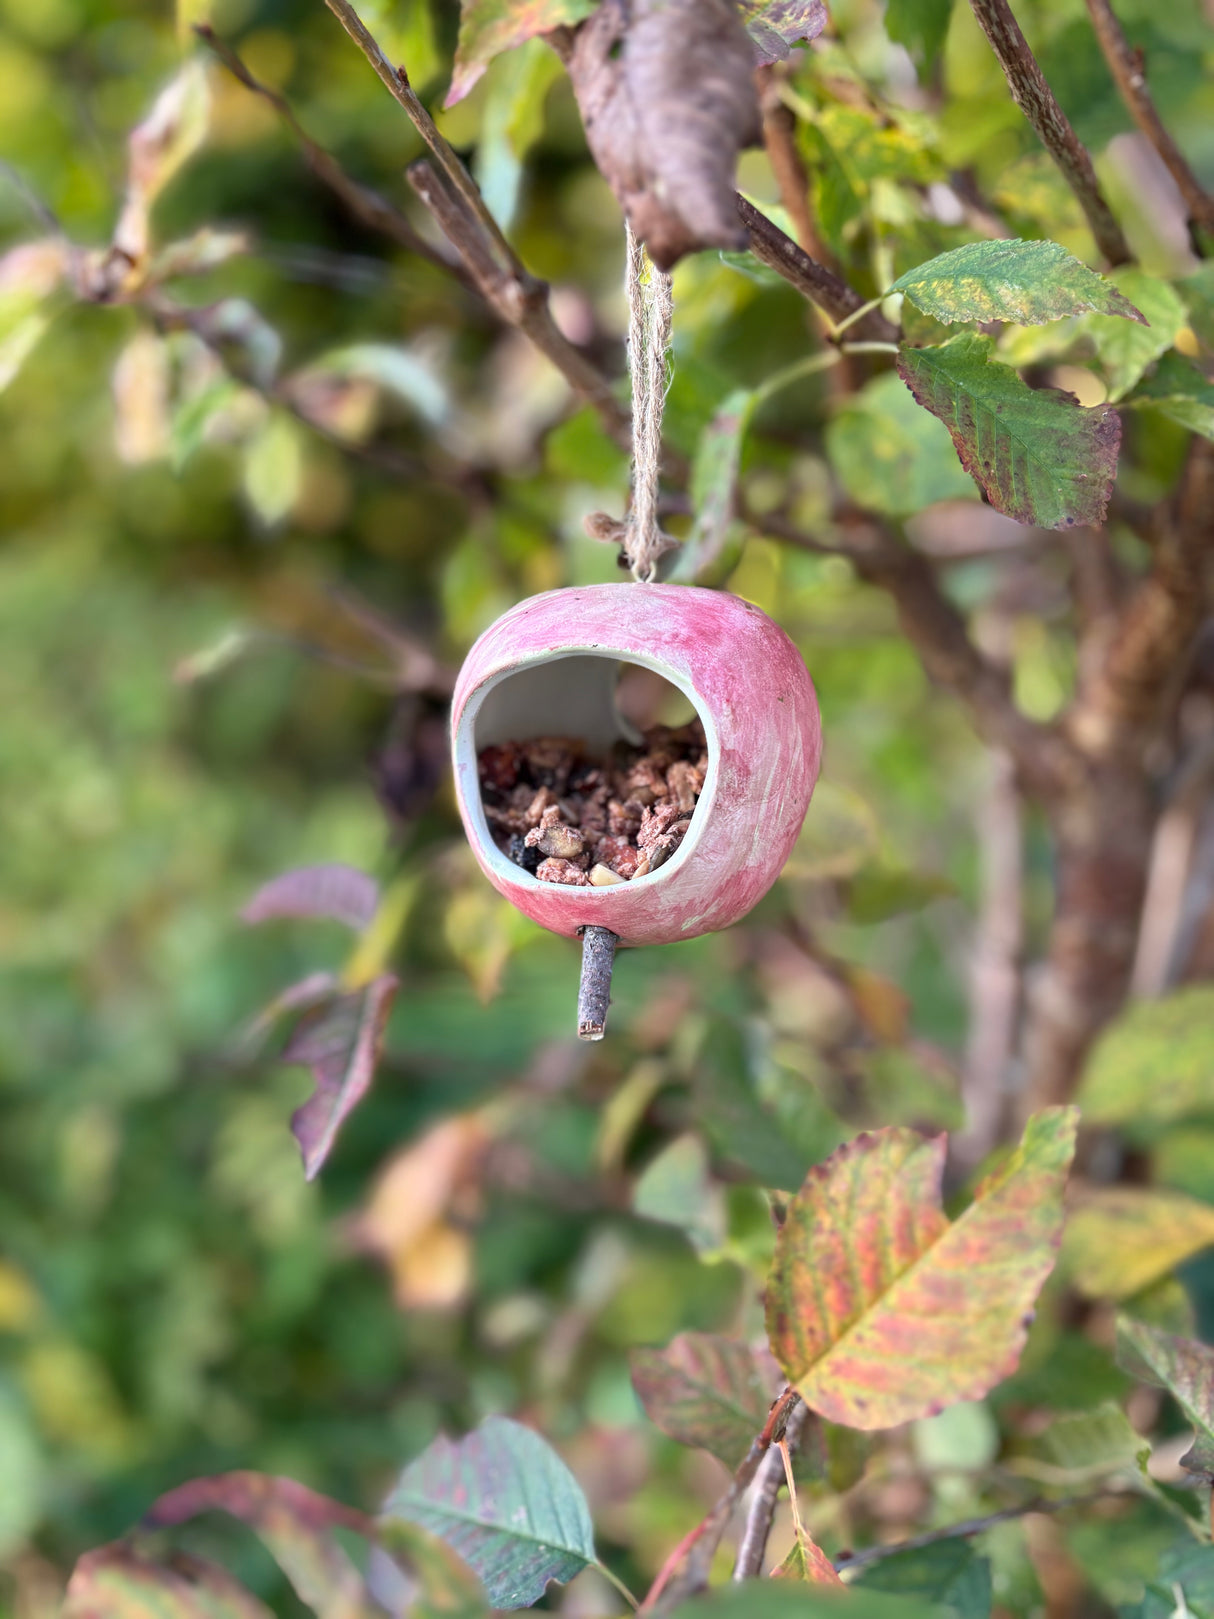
x=561, y=871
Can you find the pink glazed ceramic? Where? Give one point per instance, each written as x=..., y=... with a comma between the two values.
x=548, y=667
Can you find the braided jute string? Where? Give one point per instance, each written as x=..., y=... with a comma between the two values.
x=650, y=318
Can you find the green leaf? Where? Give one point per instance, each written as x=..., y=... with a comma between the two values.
x=1179, y=391
x=1155, y=1063
x=920, y=25
x=273, y=468
x=506, y=1502
x=677, y=1189
x=1126, y=350
x=192, y=418
x=1197, y=290
x=119, y=1582
x=294, y=1523
x=704, y=1390
x=29, y=275
x=793, y=1599
x=512, y=122
x=889, y=455
x=1121, y=1239
x=949, y=1574
x=714, y=483
x=878, y=1309
x=775, y=25
x=1037, y=454
x=1186, y=1568
x=1083, y=1445
x=774, y=1148
x=1183, y=1367
x=1026, y=282
x=489, y=27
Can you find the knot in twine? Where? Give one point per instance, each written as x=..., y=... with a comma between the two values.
x=650, y=317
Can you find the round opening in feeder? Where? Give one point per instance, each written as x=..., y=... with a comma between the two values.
x=593, y=771
x=549, y=668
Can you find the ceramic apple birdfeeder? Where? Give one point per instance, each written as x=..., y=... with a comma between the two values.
x=548, y=669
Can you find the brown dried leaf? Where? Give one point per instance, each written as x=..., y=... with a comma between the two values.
x=667, y=95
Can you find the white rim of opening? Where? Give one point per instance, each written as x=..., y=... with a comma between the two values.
x=466, y=764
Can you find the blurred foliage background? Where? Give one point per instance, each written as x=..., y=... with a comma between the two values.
x=224, y=639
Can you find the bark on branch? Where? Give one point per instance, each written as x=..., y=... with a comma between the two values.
x=1037, y=102
x=812, y=280
x=1126, y=66
x=489, y=262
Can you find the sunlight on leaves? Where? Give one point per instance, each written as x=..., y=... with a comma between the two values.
x=1026, y=282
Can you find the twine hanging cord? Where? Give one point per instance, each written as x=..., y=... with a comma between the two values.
x=650, y=318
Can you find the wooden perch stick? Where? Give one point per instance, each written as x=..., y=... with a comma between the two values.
x=594, y=993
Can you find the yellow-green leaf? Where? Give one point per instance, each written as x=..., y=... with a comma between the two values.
x=878, y=1309
x=1155, y=1063
x=1122, y=1238
x=1026, y=282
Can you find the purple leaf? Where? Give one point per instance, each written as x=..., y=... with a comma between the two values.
x=340, y=1043
x=340, y=893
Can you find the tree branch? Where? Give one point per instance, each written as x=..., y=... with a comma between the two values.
x=1118, y=708
x=765, y=1491
x=1045, y=761
x=685, y=1571
x=366, y=205
x=519, y=299
x=1126, y=66
x=449, y=191
x=972, y=1526
x=812, y=280
x=1036, y=101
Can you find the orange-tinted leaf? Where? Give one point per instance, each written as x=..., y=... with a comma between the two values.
x=878, y=1309
x=340, y=1043
x=295, y=1523
x=118, y=1582
x=704, y=1390
x=808, y=1562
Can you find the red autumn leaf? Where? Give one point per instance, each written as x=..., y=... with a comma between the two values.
x=878, y=1309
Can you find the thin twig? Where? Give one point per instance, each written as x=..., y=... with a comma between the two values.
x=1126, y=66
x=814, y=281
x=971, y=1526
x=367, y=206
x=519, y=299
x=761, y=1508
x=396, y=81
x=1037, y=102
x=685, y=1571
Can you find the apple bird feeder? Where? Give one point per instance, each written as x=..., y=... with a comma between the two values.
x=548, y=668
